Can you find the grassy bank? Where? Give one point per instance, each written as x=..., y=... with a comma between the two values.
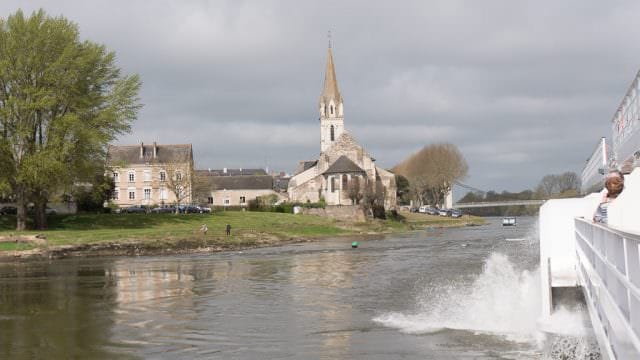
x=132, y=232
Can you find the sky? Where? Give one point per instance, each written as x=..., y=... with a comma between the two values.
x=523, y=88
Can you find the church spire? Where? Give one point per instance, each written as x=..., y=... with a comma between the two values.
x=331, y=106
x=330, y=90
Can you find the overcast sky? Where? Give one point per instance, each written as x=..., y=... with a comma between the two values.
x=522, y=88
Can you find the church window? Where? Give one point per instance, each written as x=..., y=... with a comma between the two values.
x=331, y=109
x=345, y=181
x=333, y=184
x=332, y=133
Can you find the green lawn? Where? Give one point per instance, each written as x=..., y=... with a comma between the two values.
x=248, y=226
x=418, y=219
x=166, y=230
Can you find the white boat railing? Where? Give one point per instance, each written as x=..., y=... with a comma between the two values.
x=609, y=272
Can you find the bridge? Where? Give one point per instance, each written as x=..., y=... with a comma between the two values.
x=473, y=205
x=482, y=204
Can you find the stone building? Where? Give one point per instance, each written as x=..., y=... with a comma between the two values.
x=342, y=162
x=234, y=187
x=146, y=174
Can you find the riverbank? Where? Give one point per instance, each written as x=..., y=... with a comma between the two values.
x=156, y=234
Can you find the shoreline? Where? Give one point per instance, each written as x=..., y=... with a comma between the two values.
x=165, y=244
x=181, y=247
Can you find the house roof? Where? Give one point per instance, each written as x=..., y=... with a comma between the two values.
x=343, y=165
x=141, y=154
x=232, y=172
x=242, y=182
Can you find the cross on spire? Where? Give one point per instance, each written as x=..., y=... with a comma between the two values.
x=329, y=37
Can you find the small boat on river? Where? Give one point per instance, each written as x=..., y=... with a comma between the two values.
x=509, y=221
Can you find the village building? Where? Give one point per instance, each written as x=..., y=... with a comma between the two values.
x=343, y=163
x=235, y=187
x=146, y=174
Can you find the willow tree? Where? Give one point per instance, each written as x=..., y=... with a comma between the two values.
x=61, y=101
x=432, y=171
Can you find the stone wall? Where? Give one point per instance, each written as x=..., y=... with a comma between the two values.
x=339, y=212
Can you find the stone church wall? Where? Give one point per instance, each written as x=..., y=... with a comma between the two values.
x=339, y=212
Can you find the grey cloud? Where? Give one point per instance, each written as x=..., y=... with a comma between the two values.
x=523, y=88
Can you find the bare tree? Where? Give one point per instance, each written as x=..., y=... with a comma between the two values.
x=180, y=178
x=373, y=198
x=432, y=171
x=558, y=185
x=354, y=190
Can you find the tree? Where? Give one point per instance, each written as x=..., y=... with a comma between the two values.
x=403, y=193
x=180, y=177
x=373, y=198
x=354, y=190
x=432, y=171
x=93, y=197
x=61, y=101
x=566, y=184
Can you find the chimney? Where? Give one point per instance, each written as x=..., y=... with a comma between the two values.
x=224, y=170
x=155, y=150
x=141, y=150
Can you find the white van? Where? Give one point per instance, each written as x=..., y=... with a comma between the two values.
x=423, y=209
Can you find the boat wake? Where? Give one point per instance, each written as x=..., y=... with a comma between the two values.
x=502, y=301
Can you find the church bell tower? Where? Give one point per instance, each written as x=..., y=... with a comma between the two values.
x=331, y=107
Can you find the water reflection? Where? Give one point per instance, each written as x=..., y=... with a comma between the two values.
x=309, y=301
x=324, y=277
x=55, y=311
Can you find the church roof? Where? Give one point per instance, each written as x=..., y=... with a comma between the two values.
x=304, y=166
x=330, y=90
x=343, y=165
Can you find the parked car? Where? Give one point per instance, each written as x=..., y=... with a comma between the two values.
x=423, y=209
x=432, y=211
x=444, y=212
x=414, y=210
x=456, y=213
x=164, y=210
x=8, y=210
x=205, y=209
x=190, y=209
x=135, y=209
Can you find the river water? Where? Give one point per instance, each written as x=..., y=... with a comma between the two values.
x=467, y=293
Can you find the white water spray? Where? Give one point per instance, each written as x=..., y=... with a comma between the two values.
x=502, y=300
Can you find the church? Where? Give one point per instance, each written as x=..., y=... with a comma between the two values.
x=343, y=163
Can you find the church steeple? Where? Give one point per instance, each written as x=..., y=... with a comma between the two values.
x=331, y=106
x=330, y=90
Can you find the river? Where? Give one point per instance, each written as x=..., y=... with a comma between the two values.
x=466, y=293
